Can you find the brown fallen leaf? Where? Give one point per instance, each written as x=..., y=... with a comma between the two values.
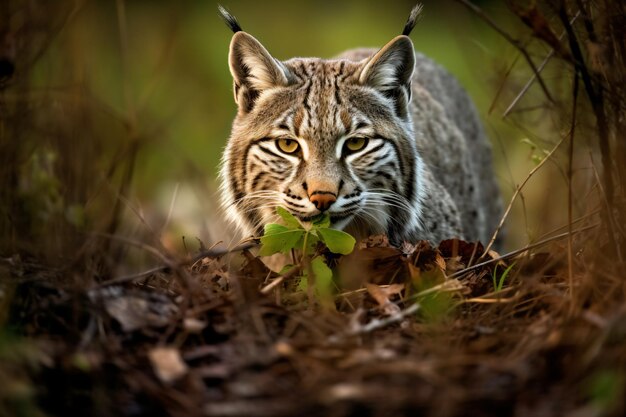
x=379, y=265
x=382, y=294
x=167, y=363
x=193, y=325
x=468, y=251
x=135, y=309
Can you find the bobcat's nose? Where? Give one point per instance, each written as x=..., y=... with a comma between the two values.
x=322, y=199
x=322, y=193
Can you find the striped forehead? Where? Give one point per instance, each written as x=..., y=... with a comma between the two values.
x=320, y=111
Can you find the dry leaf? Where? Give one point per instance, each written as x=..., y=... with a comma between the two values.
x=167, y=363
x=440, y=262
x=135, y=309
x=193, y=325
x=454, y=264
x=382, y=298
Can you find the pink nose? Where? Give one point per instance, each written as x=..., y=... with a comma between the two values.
x=322, y=199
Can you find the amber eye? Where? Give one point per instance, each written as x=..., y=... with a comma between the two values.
x=288, y=145
x=355, y=144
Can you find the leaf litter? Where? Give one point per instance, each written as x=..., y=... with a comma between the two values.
x=408, y=332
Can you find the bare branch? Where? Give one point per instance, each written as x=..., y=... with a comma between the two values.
x=516, y=43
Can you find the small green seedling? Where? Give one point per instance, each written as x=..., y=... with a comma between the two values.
x=537, y=152
x=292, y=235
x=498, y=283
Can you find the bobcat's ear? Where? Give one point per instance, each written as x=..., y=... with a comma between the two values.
x=390, y=71
x=253, y=70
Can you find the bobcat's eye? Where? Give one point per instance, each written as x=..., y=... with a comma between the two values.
x=356, y=144
x=288, y=145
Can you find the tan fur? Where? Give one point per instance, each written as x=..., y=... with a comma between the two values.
x=425, y=173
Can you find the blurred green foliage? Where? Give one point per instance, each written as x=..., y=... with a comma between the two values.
x=605, y=388
x=170, y=72
x=131, y=99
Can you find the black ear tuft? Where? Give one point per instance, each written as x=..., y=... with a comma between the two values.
x=230, y=20
x=413, y=18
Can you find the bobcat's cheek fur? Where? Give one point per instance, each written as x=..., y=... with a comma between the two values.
x=384, y=141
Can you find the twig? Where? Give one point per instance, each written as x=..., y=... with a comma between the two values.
x=376, y=324
x=596, y=97
x=534, y=76
x=171, y=209
x=478, y=11
x=609, y=219
x=566, y=226
x=450, y=285
x=514, y=197
x=211, y=253
x=522, y=250
x=148, y=248
x=292, y=273
x=570, y=244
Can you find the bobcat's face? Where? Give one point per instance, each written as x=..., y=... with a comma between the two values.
x=316, y=136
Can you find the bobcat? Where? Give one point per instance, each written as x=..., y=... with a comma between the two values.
x=383, y=141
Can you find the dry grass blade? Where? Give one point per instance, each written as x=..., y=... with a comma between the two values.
x=522, y=250
x=518, y=189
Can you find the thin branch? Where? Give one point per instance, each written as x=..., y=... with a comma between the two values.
x=570, y=244
x=596, y=97
x=534, y=76
x=292, y=273
x=609, y=220
x=478, y=11
x=171, y=209
x=168, y=265
x=522, y=250
x=515, y=194
x=376, y=324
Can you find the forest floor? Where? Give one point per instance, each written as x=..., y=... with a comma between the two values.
x=445, y=331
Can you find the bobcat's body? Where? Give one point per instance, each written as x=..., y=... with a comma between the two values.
x=378, y=146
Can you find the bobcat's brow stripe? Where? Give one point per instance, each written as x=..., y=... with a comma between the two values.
x=305, y=101
x=337, y=98
x=262, y=162
x=269, y=152
x=373, y=150
x=298, y=118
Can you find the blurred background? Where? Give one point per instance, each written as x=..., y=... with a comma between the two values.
x=115, y=114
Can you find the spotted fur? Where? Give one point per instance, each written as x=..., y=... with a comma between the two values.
x=425, y=171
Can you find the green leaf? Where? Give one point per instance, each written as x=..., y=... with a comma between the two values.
x=321, y=220
x=278, y=238
x=323, y=274
x=289, y=219
x=323, y=281
x=498, y=283
x=337, y=241
x=311, y=243
x=303, y=285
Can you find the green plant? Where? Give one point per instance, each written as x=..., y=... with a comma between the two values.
x=604, y=388
x=498, y=282
x=304, y=242
x=537, y=153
